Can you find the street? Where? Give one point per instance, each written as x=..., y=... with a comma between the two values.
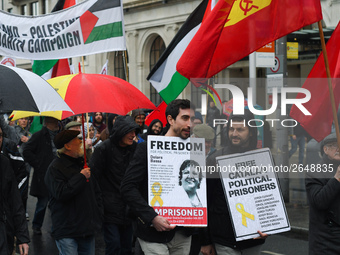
x=287, y=243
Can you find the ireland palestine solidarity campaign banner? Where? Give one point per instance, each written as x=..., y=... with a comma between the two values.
x=253, y=193
x=93, y=26
x=177, y=185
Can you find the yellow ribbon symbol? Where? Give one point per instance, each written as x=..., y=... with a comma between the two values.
x=245, y=215
x=157, y=194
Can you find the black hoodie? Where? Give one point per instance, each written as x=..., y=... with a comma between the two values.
x=108, y=164
x=220, y=228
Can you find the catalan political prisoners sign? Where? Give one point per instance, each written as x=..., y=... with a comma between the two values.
x=93, y=26
x=177, y=185
x=253, y=193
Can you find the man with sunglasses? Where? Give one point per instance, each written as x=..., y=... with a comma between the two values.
x=323, y=193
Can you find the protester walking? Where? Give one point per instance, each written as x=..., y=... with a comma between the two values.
x=108, y=163
x=76, y=202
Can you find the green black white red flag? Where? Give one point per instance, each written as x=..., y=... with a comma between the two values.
x=164, y=76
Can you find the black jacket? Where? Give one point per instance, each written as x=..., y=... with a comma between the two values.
x=220, y=228
x=10, y=150
x=108, y=164
x=38, y=153
x=134, y=189
x=11, y=208
x=75, y=204
x=323, y=193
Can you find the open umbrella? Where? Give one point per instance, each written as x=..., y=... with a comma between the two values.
x=97, y=93
x=23, y=90
x=94, y=93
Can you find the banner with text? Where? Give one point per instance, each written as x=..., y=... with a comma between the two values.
x=253, y=194
x=94, y=26
x=177, y=186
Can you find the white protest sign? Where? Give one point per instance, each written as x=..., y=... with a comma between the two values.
x=253, y=194
x=177, y=184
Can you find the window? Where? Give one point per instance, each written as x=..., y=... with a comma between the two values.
x=35, y=8
x=119, y=63
x=24, y=9
x=156, y=51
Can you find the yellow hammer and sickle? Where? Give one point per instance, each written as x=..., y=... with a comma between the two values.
x=245, y=215
x=157, y=194
x=245, y=8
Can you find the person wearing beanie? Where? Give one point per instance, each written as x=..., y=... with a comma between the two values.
x=241, y=137
x=76, y=202
x=323, y=194
x=208, y=133
x=138, y=115
x=108, y=163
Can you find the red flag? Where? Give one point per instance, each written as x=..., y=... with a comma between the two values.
x=319, y=124
x=158, y=113
x=224, y=39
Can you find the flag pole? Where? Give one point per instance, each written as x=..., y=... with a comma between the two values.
x=125, y=65
x=330, y=87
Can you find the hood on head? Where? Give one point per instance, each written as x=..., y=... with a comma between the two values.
x=85, y=129
x=123, y=125
x=253, y=130
x=137, y=112
x=149, y=130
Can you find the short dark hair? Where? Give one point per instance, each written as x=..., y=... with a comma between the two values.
x=188, y=163
x=174, y=106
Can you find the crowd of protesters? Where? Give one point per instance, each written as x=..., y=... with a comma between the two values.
x=108, y=193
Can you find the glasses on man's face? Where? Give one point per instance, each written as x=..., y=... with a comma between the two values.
x=333, y=145
x=1, y=135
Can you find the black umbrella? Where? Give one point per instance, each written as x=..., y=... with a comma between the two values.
x=23, y=90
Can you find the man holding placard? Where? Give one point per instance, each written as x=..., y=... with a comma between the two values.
x=241, y=138
x=155, y=233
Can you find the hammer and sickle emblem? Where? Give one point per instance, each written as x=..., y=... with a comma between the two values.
x=157, y=194
x=246, y=8
x=245, y=215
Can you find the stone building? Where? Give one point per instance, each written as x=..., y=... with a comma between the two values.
x=150, y=26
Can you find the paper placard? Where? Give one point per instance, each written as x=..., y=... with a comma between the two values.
x=176, y=186
x=253, y=194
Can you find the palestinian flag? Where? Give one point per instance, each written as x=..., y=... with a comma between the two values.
x=109, y=25
x=164, y=76
x=54, y=67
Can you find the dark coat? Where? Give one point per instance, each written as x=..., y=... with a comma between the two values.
x=220, y=229
x=108, y=164
x=11, y=207
x=134, y=190
x=38, y=153
x=323, y=193
x=10, y=150
x=212, y=113
x=76, y=205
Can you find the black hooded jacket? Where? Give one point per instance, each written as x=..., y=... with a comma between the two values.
x=220, y=229
x=12, y=212
x=108, y=164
